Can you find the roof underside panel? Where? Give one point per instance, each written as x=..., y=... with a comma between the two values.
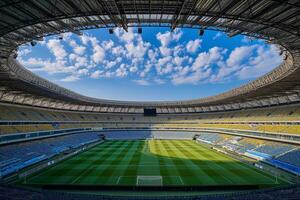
x=276, y=21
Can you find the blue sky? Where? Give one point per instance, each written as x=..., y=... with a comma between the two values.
x=152, y=66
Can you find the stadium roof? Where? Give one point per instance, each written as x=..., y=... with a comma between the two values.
x=23, y=21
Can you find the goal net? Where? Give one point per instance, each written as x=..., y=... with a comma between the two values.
x=149, y=181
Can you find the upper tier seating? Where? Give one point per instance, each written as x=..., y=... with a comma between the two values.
x=18, y=113
x=218, y=120
x=7, y=129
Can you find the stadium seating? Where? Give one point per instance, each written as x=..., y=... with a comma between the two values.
x=294, y=129
x=274, y=149
x=211, y=138
x=291, y=192
x=128, y=135
x=172, y=135
x=24, y=128
x=18, y=113
x=148, y=134
x=16, y=156
x=292, y=157
x=239, y=120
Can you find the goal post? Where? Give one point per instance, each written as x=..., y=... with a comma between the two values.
x=149, y=181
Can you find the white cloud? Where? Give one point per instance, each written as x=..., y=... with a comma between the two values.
x=99, y=54
x=193, y=78
x=205, y=59
x=133, y=68
x=218, y=35
x=96, y=74
x=108, y=44
x=57, y=49
x=167, y=37
x=142, y=82
x=159, y=81
x=165, y=40
x=122, y=71
x=239, y=54
x=193, y=45
x=266, y=60
x=78, y=49
x=24, y=51
x=71, y=78
x=129, y=55
x=125, y=36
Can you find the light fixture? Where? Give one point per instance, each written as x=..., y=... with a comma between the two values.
x=111, y=31
x=33, y=43
x=140, y=30
x=201, y=31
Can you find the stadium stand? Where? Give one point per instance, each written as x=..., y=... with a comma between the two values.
x=283, y=156
x=274, y=149
x=211, y=138
x=172, y=135
x=289, y=192
x=128, y=135
x=292, y=157
x=17, y=156
x=148, y=134
x=24, y=113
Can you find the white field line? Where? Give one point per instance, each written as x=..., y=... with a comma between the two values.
x=81, y=175
x=118, y=181
x=182, y=183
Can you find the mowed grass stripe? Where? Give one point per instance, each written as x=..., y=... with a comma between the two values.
x=234, y=171
x=66, y=172
x=210, y=168
x=172, y=173
x=222, y=165
x=103, y=173
x=119, y=162
x=148, y=164
x=237, y=171
x=191, y=173
x=120, y=169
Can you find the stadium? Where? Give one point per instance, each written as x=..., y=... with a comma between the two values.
x=240, y=144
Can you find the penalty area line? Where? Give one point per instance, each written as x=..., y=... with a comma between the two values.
x=118, y=180
x=182, y=183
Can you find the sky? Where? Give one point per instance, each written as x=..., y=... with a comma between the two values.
x=157, y=65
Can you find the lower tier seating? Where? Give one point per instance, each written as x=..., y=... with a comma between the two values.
x=148, y=134
x=16, y=156
x=292, y=157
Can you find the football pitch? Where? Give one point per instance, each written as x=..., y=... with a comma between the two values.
x=151, y=162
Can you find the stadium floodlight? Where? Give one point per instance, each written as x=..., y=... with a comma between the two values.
x=140, y=30
x=111, y=31
x=201, y=32
x=60, y=37
x=33, y=43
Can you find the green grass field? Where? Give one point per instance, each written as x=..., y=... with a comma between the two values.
x=165, y=162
